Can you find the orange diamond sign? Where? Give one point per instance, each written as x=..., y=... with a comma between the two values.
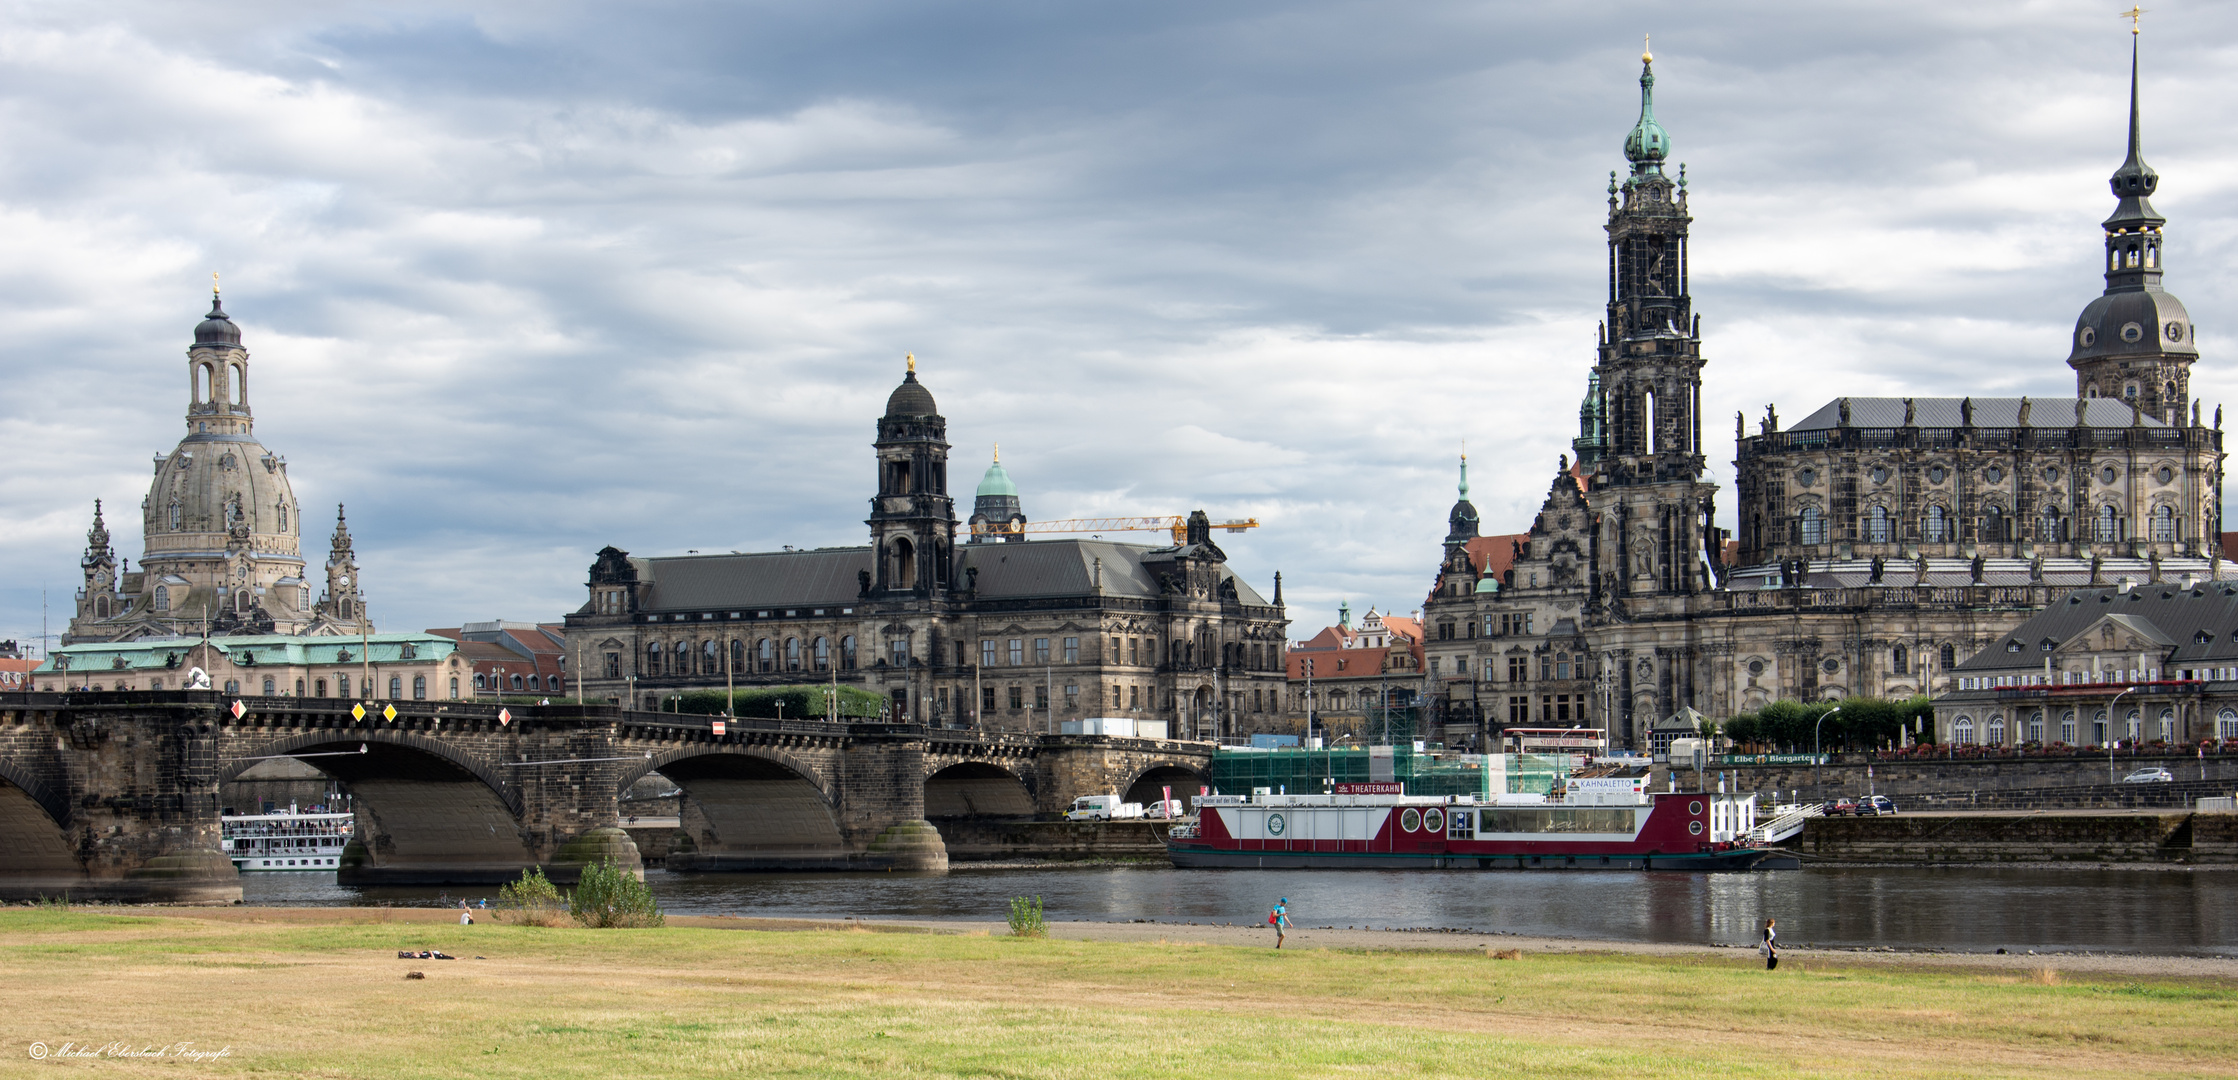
x=239, y=709
x=388, y=712
x=504, y=716
x=357, y=712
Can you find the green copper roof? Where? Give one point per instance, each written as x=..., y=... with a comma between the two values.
x=997, y=482
x=1648, y=144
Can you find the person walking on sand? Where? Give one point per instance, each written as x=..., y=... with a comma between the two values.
x=1771, y=946
x=1279, y=918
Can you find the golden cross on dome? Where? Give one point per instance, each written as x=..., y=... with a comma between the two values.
x=998, y=453
x=213, y=283
x=1647, y=55
x=2133, y=14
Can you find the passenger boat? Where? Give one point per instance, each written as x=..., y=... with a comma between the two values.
x=1595, y=824
x=285, y=840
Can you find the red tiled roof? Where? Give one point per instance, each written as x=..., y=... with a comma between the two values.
x=1337, y=663
x=1495, y=555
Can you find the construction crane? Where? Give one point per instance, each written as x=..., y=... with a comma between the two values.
x=1175, y=525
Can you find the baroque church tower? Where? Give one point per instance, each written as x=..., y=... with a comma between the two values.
x=1640, y=428
x=221, y=526
x=2135, y=342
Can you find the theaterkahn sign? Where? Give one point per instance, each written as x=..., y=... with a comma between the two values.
x=1371, y=789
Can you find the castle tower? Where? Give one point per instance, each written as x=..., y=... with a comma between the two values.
x=1647, y=481
x=912, y=519
x=344, y=603
x=2135, y=341
x=996, y=504
x=97, y=601
x=1457, y=575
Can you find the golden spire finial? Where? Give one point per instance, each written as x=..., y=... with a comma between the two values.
x=912, y=358
x=2133, y=14
x=1647, y=55
x=998, y=453
x=213, y=283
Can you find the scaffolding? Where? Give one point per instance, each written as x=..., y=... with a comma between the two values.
x=1299, y=771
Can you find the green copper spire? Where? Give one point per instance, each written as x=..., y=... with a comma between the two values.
x=1648, y=144
x=1464, y=476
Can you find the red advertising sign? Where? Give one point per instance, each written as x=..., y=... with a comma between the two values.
x=1371, y=789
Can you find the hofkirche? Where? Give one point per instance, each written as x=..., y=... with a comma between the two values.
x=1880, y=541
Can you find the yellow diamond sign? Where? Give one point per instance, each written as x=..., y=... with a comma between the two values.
x=357, y=711
x=388, y=712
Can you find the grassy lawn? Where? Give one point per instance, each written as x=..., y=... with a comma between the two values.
x=325, y=996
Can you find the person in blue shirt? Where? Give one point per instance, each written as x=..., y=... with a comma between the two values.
x=1279, y=918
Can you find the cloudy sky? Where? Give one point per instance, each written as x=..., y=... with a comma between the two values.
x=522, y=280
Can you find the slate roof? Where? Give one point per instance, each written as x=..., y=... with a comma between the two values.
x=2051, y=412
x=828, y=577
x=2175, y=617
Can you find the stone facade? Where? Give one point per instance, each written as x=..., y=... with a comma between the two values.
x=1882, y=540
x=1018, y=635
x=223, y=530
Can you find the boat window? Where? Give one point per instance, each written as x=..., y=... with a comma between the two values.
x=1459, y=827
x=1410, y=820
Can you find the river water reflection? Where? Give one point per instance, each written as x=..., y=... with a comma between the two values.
x=1971, y=909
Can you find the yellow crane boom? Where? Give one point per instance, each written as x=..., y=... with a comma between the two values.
x=1175, y=525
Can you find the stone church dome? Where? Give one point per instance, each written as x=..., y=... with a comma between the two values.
x=911, y=398
x=219, y=486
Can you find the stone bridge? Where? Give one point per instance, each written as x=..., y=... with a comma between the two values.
x=116, y=795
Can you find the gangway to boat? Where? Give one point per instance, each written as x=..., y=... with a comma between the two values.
x=1786, y=823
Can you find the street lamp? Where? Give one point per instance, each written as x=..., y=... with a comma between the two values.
x=1818, y=759
x=2110, y=740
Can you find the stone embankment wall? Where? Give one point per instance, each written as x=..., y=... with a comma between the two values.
x=1923, y=776
x=987, y=840
x=2142, y=837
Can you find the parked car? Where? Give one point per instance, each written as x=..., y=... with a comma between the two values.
x=1841, y=807
x=1875, y=806
x=2153, y=775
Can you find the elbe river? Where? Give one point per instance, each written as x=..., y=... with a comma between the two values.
x=1974, y=909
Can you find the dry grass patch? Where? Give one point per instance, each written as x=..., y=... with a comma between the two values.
x=298, y=997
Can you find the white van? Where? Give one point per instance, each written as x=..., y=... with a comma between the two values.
x=1102, y=808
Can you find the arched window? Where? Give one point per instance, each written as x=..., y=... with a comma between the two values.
x=1899, y=661
x=454, y=688
x=823, y=654
x=2099, y=728
x=904, y=573
x=240, y=384
x=2036, y=727
x=2108, y=527
x=101, y=606
x=552, y=683
x=419, y=688
x=1993, y=523
x=2226, y=725
x=268, y=686
x=162, y=598
x=683, y=658
x=1648, y=434
x=201, y=383
x=711, y=657
x=792, y=654
x=847, y=653
x=652, y=658
x=1949, y=656
x=2133, y=726
x=1876, y=525
x=1962, y=732
x=2164, y=525
x=765, y=655
x=1997, y=730
x=174, y=517
x=396, y=687
x=516, y=682
x=738, y=654
x=282, y=513
x=2167, y=725
x=320, y=686
x=2067, y=727
x=1813, y=526
x=2053, y=527
x=481, y=681
x=1936, y=529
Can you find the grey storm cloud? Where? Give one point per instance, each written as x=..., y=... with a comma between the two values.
x=522, y=280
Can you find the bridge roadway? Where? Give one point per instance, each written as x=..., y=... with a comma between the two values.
x=115, y=795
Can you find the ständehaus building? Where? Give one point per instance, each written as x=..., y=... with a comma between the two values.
x=1880, y=541
x=1012, y=633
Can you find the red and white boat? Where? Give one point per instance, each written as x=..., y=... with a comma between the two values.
x=1596, y=824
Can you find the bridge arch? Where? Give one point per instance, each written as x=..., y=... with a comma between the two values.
x=749, y=808
x=51, y=802
x=977, y=789
x=427, y=812
x=1145, y=786
x=36, y=856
